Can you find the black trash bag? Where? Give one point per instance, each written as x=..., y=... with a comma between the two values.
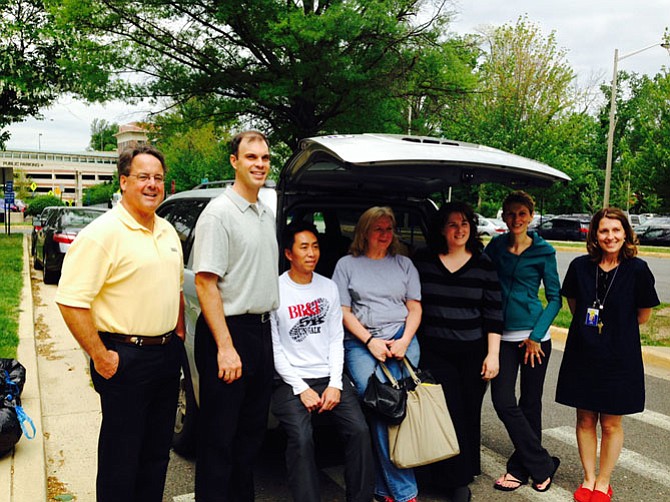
x=10, y=430
x=12, y=379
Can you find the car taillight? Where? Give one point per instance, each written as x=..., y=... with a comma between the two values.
x=501, y=230
x=64, y=238
x=38, y=228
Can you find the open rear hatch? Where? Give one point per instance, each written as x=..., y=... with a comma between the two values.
x=411, y=166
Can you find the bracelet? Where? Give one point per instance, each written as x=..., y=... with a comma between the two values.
x=368, y=341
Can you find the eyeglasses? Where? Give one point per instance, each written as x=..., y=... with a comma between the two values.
x=144, y=177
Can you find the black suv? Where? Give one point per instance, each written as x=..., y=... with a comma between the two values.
x=330, y=181
x=565, y=228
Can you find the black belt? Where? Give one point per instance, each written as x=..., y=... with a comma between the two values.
x=138, y=339
x=261, y=318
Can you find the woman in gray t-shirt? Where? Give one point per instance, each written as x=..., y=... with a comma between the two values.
x=380, y=294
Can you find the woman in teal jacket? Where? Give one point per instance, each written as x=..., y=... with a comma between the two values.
x=524, y=260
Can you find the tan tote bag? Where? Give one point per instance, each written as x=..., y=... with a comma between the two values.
x=427, y=434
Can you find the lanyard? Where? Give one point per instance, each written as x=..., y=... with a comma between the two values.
x=601, y=304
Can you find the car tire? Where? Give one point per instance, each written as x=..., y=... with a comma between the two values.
x=50, y=276
x=186, y=419
x=37, y=264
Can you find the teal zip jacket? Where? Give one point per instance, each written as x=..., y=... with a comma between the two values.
x=520, y=278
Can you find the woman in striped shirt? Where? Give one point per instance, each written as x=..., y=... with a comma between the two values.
x=461, y=327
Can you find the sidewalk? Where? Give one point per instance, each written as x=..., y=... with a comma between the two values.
x=23, y=473
x=59, y=464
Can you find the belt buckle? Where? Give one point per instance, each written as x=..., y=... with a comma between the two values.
x=137, y=340
x=265, y=317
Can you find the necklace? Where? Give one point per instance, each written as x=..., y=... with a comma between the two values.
x=598, y=303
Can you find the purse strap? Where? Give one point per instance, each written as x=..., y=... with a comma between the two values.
x=388, y=374
x=410, y=370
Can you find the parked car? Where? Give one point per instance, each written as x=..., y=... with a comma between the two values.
x=18, y=206
x=490, y=226
x=637, y=219
x=538, y=219
x=565, y=228
x=56, y=236
x=655, y=235
x=330, y=181
x=38, y=223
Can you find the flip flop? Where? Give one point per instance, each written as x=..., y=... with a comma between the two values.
x=509, y=479
x=536, y=486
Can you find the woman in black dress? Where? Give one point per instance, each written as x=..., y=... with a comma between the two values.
x=610, y=293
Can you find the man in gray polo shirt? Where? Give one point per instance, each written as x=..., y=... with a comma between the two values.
x=235, y=261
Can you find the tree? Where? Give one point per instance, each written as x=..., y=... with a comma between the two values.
x=524, y=103
x=296, y=68
x=100, y=193
x=31, y=53
x=194, y=151
x=641, y=160
x=102, y=135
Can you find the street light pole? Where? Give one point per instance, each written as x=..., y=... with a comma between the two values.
x=610, y=134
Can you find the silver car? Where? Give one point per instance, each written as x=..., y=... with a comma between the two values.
x=330, y=181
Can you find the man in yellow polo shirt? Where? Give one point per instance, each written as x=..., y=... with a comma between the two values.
x=120, y=295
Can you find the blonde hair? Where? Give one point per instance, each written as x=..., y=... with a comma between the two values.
x=359, y=246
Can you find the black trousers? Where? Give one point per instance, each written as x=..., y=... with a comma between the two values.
x=523, y=419
x=233, y=417
x=457, y=366
x=303, y=474
x=138, y=413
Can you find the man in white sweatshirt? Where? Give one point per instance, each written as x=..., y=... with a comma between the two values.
x=308, y=351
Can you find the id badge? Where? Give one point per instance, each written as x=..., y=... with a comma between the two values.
x=592, y=316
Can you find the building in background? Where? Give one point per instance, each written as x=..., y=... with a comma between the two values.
x=66, y=175
x=130, y=134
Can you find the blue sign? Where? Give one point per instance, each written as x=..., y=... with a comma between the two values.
x=9, y=186
x=9, y=197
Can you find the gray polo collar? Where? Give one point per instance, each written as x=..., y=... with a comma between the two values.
x=243, y=204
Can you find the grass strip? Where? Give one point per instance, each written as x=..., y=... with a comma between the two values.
x=11, y=282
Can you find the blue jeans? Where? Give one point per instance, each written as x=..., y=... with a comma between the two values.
x=390, y=481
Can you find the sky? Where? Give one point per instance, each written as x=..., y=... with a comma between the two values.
x=589, y=30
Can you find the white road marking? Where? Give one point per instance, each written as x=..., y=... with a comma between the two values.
x=634, y=462
x=653, y=418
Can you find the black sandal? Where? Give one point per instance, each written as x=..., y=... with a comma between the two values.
x=536, y=486
x=509, y=479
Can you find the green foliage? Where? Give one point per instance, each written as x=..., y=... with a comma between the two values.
x=36, y=205
x=101, y=193
x=641, y=160
x=195, y=148
x=525, y=104
x=102, y=136
x=31, y=53
x=11, y=257
x=296, y=69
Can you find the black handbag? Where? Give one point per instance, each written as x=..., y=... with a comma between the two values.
x=389, y=399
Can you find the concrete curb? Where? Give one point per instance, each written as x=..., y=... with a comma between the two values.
x=23, y=472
